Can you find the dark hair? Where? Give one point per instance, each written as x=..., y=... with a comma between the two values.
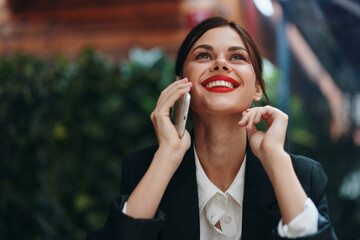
x=216, y=22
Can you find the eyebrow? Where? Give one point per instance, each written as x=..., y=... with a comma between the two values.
x=205, y=46
x=230, y=49
x=234, y=48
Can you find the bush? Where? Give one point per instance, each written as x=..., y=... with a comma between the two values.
x=65, y=127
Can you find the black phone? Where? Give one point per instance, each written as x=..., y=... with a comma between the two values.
x=180, y=112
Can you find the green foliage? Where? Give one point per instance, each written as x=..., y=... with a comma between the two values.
x=300, y=131
x=65, y=127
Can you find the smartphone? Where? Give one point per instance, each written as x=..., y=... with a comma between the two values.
x=180, y=112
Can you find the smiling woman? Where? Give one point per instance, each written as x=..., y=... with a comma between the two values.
x=226, y=180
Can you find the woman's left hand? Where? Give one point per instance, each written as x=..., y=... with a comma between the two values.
x=269, y=148
x=265, y=144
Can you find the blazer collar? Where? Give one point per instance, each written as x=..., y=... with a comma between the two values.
x=258, y=187
x=260, y=212
x=182, y=190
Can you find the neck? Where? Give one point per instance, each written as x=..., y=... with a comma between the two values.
x=221, y=146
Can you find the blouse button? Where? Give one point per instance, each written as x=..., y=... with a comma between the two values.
x=228, y=220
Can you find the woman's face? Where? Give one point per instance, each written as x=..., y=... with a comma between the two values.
x=221, y=72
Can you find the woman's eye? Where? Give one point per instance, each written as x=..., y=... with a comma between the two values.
x=238, y=57
x=205, y=56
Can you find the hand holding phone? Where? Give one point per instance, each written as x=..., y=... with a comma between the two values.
x=180, y=112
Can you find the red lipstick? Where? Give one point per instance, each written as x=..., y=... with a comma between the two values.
x=220, y=84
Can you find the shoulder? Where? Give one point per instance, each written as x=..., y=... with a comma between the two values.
x=310, y=173
x=140, y=158
x=304, y=164
x=134, y=166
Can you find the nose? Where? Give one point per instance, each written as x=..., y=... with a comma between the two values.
x=220, y=65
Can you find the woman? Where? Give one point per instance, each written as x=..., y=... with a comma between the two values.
x=227, y=180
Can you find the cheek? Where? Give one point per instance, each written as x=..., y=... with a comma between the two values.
x=189, y=71
x=186, y=68
x=247, y=74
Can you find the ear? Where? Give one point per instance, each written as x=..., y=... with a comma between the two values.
x=257, y=92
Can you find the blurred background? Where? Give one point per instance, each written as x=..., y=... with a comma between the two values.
x=79, y=79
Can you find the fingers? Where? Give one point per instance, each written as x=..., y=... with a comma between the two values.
x=273, y=117
x=172, y=93
x=262, y=143
x=250, y=118
x=174, y=85
x=169, y=96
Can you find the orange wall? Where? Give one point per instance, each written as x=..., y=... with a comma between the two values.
x=112, y=28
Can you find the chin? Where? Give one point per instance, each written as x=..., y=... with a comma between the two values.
x=219, y=104
x=220, y=109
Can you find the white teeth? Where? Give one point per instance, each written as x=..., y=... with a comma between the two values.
x=219, y=83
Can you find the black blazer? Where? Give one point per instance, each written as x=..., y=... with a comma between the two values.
x=178, y=213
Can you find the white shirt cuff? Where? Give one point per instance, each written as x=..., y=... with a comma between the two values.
x=124, y=208
x=304, y=224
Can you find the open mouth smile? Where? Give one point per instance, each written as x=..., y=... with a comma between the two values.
x=220, y=84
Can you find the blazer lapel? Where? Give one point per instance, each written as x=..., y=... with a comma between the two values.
x=180, y=202
x=260, y=209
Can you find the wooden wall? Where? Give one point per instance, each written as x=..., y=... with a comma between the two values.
x=45, y=27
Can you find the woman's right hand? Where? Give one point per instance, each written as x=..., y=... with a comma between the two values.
x=166, y=133
x=144, y=201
